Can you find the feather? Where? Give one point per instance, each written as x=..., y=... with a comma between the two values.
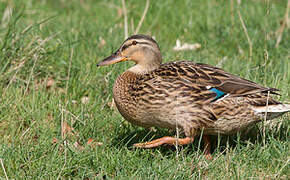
x=219, y=94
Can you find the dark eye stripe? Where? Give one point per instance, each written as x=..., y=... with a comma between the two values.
x=143, y=43
x=126, y=46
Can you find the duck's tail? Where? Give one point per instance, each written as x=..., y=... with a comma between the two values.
x=272, y=111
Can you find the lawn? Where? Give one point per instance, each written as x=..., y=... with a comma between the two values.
x=54, y=99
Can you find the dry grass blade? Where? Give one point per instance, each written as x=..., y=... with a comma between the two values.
x=6, y=16
x=285, y=22
x=143, y=17
x=247, y=35
x=28, y=129
x=125, y=19
x=286, y=164
x=69, y=69
x=2, y=164
x=265, y=119
x=36, y=57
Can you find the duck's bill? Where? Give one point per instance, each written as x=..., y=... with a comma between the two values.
x=112, y=60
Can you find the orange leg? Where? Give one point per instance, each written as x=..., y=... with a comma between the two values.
x=165, y=140
x=177, y=141
x=207, y=147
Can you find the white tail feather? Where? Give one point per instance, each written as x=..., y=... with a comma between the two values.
x=273, y=108
x=272, y=111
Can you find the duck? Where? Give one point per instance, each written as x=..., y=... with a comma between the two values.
x=193, y=98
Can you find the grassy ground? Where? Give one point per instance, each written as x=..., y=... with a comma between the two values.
x=48, y=77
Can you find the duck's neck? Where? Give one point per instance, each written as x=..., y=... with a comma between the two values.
x=144, y=68
x=146, y=62
x=139, y=69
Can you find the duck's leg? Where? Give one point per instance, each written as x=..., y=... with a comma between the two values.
x=165, y=140
x=207, y=146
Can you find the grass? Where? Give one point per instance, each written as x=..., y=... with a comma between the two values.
x=48, y=77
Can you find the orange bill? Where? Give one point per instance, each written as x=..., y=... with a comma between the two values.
x=114, y=58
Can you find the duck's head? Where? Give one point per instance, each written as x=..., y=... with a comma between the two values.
x=141, y=49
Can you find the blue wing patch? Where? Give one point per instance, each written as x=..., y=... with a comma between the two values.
x=219, y=94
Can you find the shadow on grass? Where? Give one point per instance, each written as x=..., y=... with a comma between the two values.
x=127, y=135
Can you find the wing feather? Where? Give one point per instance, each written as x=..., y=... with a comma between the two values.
x=204, y=75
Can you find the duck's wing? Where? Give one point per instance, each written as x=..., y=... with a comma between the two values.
x=229, y=83
x=212, y=82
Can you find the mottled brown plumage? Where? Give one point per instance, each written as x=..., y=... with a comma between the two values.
x=186, y=95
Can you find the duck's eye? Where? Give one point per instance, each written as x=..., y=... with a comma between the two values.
x=134, y=42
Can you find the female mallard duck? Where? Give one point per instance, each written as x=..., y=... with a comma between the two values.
x=196, y=98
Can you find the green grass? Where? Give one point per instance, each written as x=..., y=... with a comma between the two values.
x=61, y=40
